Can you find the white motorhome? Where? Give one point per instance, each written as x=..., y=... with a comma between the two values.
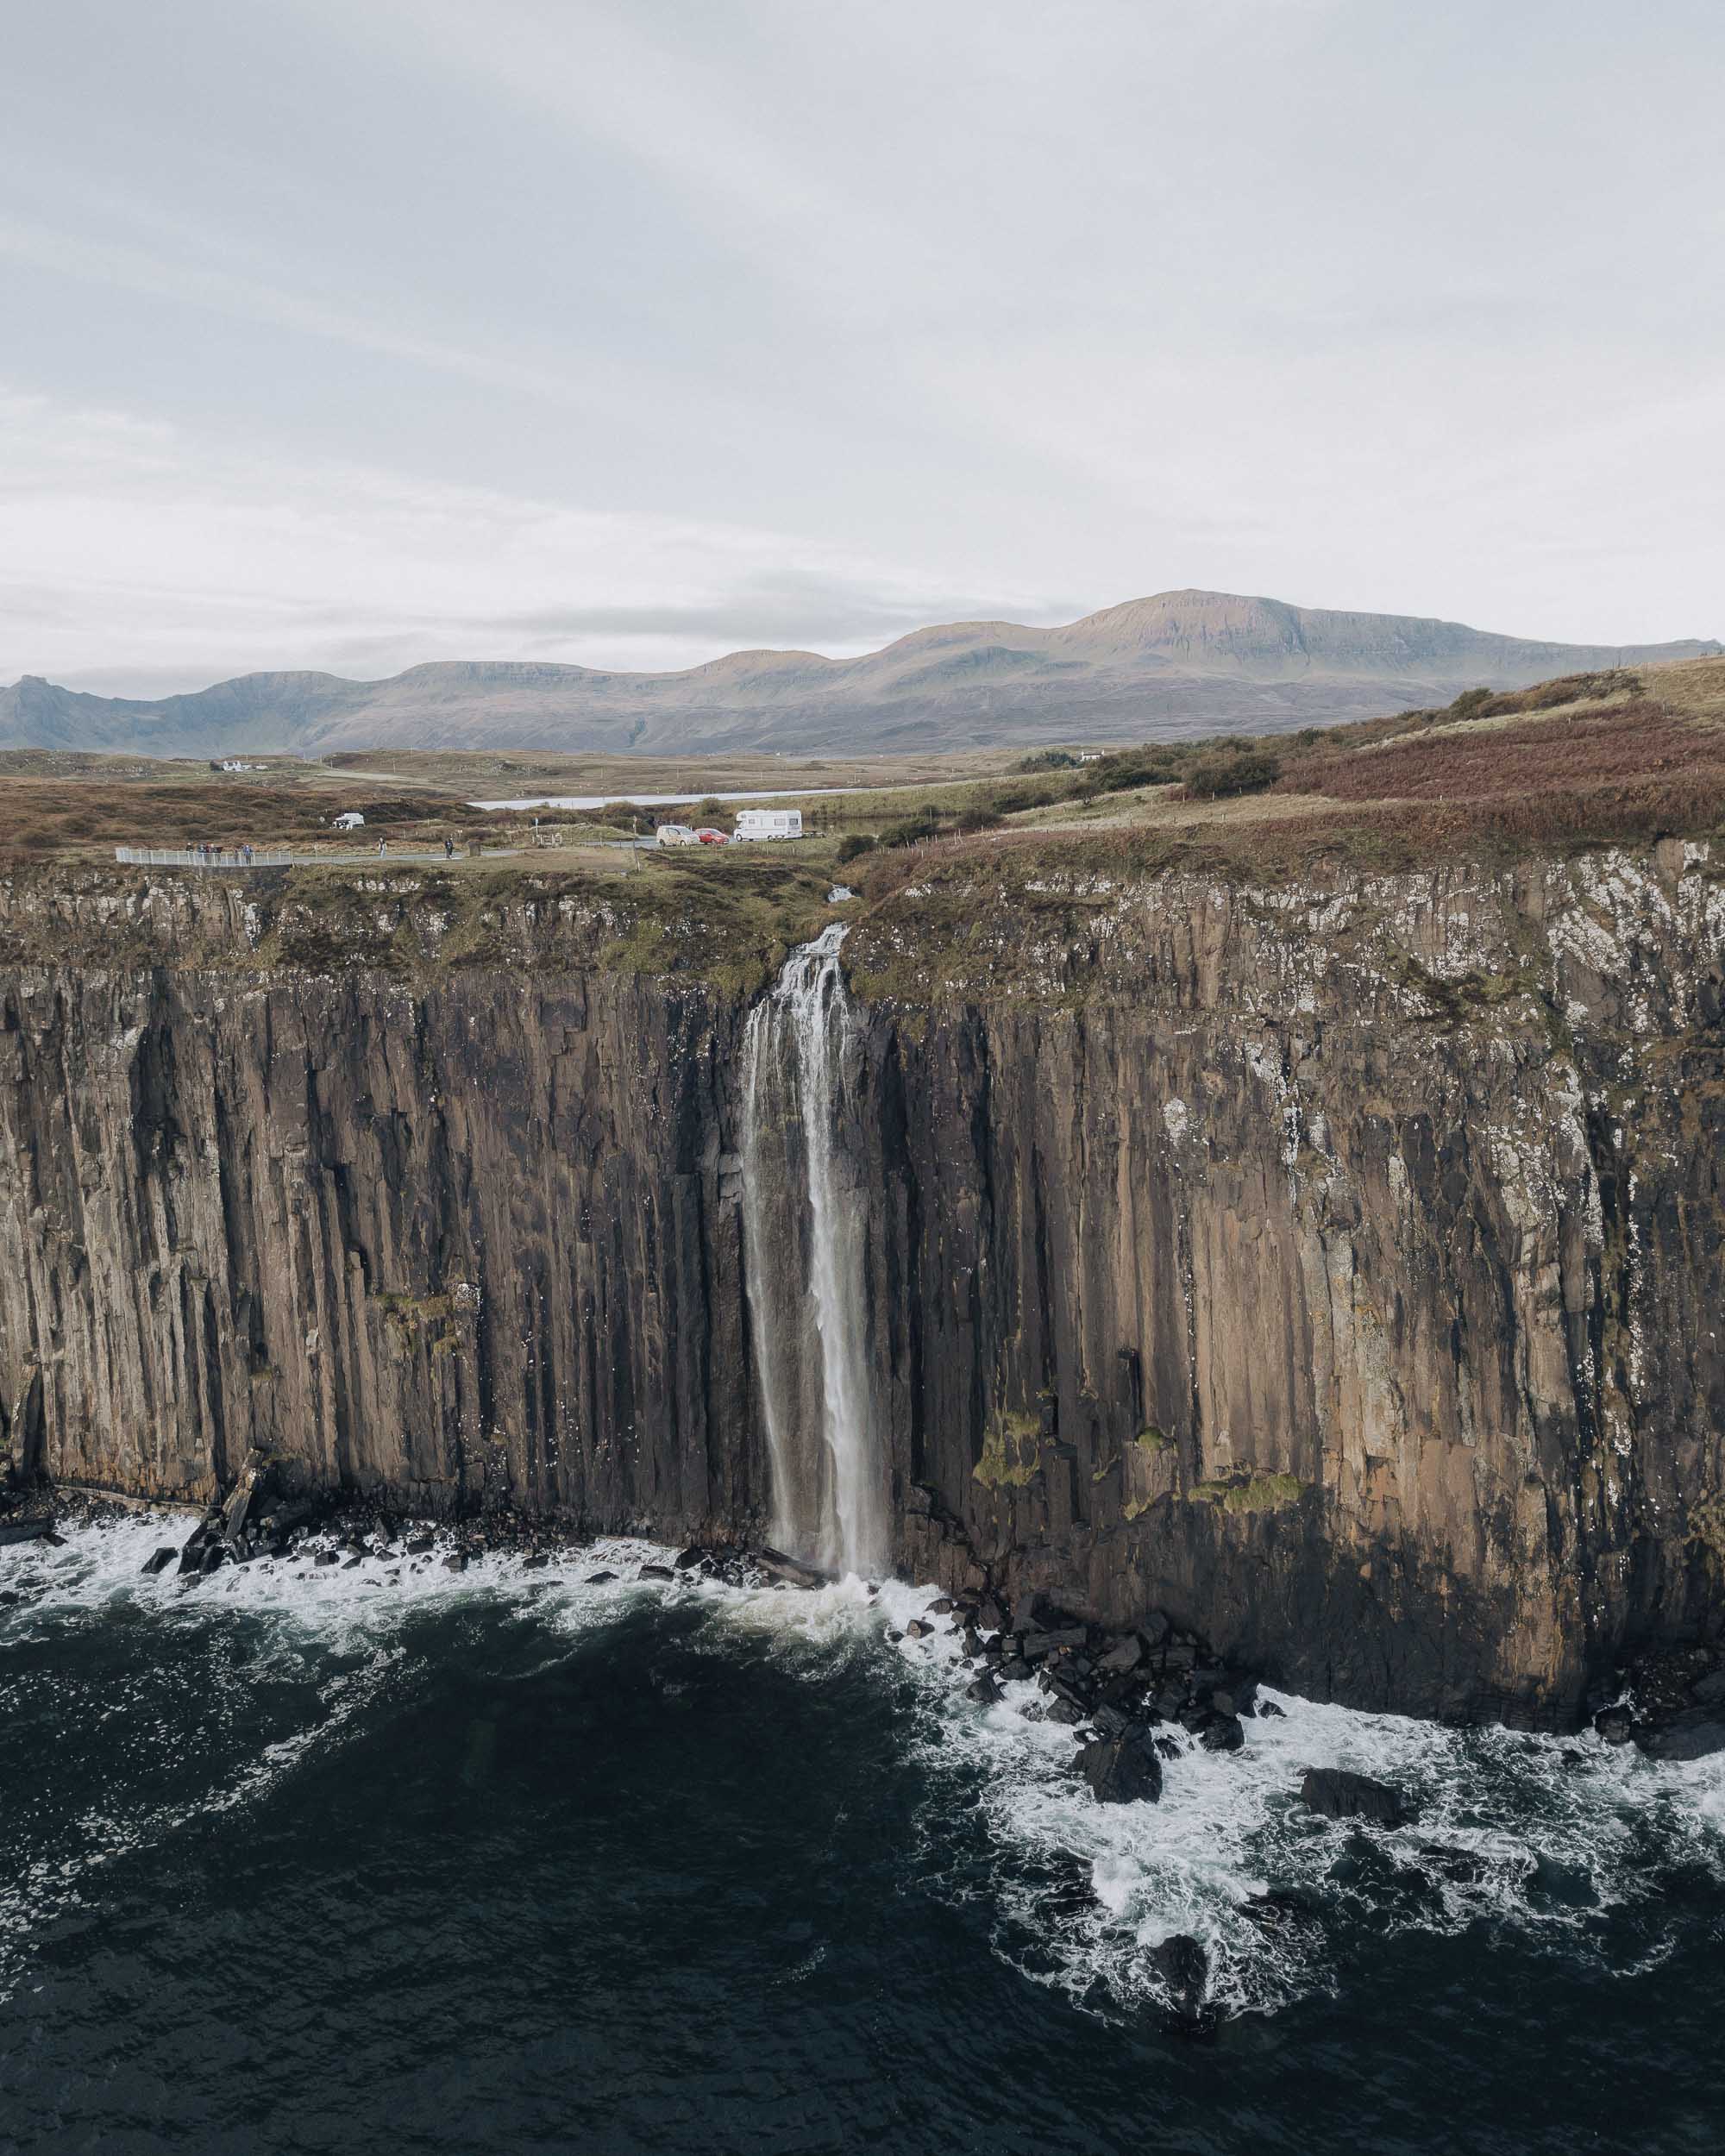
x=349, y=820
x=675, y=835
x=769, y=824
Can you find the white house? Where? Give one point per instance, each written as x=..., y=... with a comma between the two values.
x=349, y=820
x=769, y=824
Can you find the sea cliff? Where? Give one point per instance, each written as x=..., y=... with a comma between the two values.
x=1333, y=1262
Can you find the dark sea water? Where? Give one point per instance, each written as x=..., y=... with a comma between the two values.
x=325, y=1861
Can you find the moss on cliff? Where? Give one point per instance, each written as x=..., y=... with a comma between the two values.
x=1257, y=1493
x=1009, y=1452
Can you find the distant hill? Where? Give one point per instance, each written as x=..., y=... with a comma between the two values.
x=1180, y=663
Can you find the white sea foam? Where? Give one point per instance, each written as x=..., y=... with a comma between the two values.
x=1548, y=1836
x=337, y=1626
x=1514, y=1832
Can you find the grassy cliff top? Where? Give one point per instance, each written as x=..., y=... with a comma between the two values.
x=1619, y=758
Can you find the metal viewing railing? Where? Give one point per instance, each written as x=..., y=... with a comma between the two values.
x=203, y=857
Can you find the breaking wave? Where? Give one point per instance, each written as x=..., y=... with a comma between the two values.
x=1560, y=1841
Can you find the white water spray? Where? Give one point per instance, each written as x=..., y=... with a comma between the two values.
x=804, y=1227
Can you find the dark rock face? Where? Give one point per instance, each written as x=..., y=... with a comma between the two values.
x=1333, y=1793
x=1332, y=1268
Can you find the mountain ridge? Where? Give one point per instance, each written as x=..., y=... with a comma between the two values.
x=1186, y=661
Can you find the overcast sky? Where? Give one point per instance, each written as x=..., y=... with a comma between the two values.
x=351, y=333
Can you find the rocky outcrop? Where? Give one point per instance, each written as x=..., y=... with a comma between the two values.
x=1334, y=1266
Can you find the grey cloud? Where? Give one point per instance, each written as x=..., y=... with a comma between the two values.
x=1353, y=303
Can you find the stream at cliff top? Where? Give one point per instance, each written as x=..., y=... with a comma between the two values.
x=309, y=1859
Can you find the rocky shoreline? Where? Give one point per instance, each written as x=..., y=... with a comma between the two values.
x=1134, y=1701
x=1114, y=1689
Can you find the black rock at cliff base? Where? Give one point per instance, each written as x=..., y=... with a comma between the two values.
x=1333, y=1793
x=1695, y=1735
x=1184, y=1967
x=1122, y=1770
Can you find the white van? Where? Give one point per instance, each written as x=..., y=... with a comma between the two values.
x=769, y=824
x=675, y=835
x=349, y=820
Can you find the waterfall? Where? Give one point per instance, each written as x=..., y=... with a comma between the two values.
x=805, y=1226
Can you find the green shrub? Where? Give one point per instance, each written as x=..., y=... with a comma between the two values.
x=920, y=824
x=1158, y=763
x=1223, y=772
x=1047, y=760
x=1008, y=800
x=856, y=843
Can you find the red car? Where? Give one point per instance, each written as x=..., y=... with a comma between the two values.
x=708, y=837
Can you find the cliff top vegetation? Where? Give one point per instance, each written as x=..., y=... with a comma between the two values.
x=1624, y=757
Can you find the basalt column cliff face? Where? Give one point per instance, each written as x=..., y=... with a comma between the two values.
x=1336, y=1266
x=462, y=1242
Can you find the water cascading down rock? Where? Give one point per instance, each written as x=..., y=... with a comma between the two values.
x=805, y=1229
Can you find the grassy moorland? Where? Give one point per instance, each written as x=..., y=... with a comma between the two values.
x=1618, y=757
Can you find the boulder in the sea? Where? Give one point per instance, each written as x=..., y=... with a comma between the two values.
x=1334, y=1793
x=1184, y=1967
x=1697, y=1734
x=646, y=1572
x=984, y=1690
x=159, y=1559
x=777, y=1566
x=1615, y=1725
x=539, y=1560
x=1222, y=1732
x=918, y=1630
x=1125, y=1769
x=328, y=1557
x=599, y=1579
